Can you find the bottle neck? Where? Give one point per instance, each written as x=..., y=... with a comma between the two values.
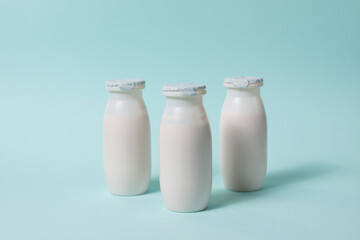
x=184, y=101
x=125, y=95
x=243, y=92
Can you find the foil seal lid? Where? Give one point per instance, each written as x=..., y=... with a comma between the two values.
x=184, y=89
x=125, y=84
x=243, y=82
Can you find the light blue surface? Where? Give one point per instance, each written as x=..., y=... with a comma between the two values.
x=55, y=57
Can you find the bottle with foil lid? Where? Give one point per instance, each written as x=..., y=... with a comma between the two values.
x=185, y=149
x=243, y=135
x=126, y=138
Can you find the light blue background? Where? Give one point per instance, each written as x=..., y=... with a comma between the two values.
x=55, y=57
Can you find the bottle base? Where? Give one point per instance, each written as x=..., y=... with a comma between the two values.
x=123, y=194
x=186, y=210
x=244, y=189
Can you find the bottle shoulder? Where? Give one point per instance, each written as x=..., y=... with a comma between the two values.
x=250, y=105
x=186, y=115
x=125, y=106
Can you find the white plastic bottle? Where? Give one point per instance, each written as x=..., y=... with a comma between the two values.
x=185, y=149
x=126, y=138
x=243, y=135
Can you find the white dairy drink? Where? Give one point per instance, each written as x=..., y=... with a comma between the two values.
x=126, y=138
x=185, y=149
x=243, y=135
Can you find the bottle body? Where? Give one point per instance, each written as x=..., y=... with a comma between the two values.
x=185, y=155
x=126, y=142
x=243, y=140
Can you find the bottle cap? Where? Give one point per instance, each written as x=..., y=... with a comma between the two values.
x=184, y=89
x=243, y=82
x=125, y=84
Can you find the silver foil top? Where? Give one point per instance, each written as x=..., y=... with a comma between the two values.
x=184, y=89
x=126, y=84
x=243, y=82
